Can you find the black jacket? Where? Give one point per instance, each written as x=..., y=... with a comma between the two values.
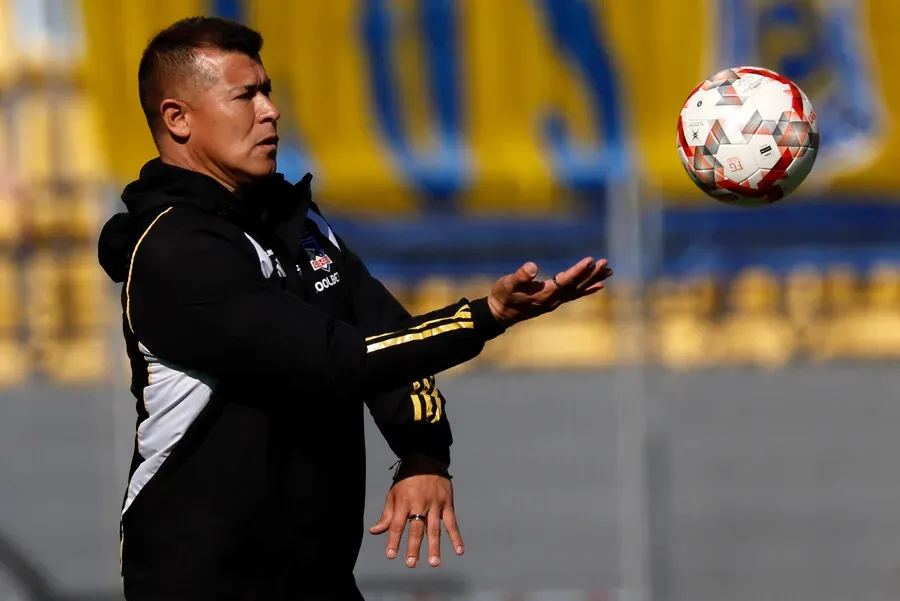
x=256, y=337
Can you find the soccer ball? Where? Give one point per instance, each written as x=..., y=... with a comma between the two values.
x=748, y=136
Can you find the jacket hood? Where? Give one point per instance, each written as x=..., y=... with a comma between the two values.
x=160, y=186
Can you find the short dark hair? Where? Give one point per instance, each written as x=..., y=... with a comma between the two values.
x=171, y=54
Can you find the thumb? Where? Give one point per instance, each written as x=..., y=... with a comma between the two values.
x=384, y=521
x=526, y=273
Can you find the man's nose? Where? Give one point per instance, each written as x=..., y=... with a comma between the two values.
x=270, y=112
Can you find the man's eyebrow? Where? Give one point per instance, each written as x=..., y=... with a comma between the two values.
x=267, y=84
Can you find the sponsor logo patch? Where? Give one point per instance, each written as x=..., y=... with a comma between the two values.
x=318, y=259
x=328, y=282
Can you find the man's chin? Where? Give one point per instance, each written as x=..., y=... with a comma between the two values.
x=262, y=169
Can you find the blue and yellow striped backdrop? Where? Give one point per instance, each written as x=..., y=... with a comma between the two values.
x=508, y=105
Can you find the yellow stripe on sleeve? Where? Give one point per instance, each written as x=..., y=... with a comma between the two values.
x=429, y=404
x=417, y=408
x=433, y=396
x=463, y=313
x=425, y=391
x=438, y=411
x=418, y=336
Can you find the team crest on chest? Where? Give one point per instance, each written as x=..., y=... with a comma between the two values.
x=318, y=259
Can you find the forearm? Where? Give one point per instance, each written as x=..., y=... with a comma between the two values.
x=430, y=344
x=285, y=340
x=202, y=305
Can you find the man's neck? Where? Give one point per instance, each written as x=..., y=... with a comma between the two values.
x=189, y=162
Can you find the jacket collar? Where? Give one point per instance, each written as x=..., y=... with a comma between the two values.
x=163, y=185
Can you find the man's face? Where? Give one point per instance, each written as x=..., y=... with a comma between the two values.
x=231, y=118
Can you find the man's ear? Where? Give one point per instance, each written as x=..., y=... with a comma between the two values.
x=174, y=117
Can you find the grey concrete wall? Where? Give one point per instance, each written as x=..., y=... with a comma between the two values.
x=765, y=486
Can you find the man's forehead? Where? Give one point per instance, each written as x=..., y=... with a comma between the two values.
x=231, y=68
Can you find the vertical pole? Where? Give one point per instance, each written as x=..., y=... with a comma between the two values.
x=627, y=259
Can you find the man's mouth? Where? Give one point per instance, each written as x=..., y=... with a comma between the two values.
x=270, y=142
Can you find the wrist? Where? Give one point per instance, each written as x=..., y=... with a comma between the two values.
x=496, y=308
x=485, y=317
x=417, y=463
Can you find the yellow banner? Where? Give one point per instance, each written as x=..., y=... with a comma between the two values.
x=514, y=105
x=116, y=33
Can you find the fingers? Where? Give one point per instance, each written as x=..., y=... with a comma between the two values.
x=453, y=530
x=564, y=286
x=518, y=296
x=384, y=521
x=405, y=502
x=591, y=290
x=598, y=274
x=582, y=279
x=395, y=532
x=434, y=537
x=580, y=282
x=526, y=273
x=414, y=540
x=576, y=273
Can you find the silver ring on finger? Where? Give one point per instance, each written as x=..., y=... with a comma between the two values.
x=418, y=517
x=555, y=281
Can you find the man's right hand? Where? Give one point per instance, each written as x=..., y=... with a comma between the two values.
x=518, y=297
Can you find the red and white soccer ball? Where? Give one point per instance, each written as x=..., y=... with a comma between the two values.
x=748, y=136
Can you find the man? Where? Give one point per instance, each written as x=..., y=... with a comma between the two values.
x=256, y=336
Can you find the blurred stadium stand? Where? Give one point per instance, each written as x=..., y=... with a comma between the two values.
x=450, y=140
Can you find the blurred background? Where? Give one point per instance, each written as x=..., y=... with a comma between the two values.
x=720, y=425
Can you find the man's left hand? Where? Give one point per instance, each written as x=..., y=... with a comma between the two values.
x=518, y=296
x=426, y=495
